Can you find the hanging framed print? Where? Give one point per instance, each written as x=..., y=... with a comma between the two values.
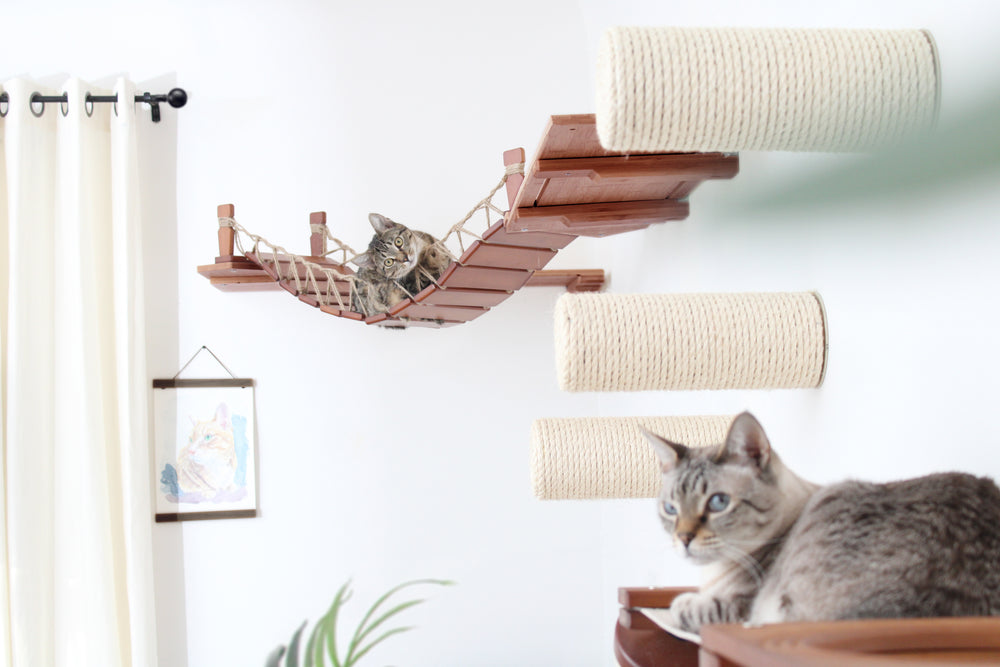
x=204, y=448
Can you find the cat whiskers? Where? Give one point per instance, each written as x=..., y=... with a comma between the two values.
x=744, y=560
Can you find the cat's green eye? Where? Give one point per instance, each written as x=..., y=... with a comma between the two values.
x=389, y=261
x=399, y=241
x=718, y=502
x=668, y=509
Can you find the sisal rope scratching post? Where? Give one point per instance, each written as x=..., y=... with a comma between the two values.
x=609, y=342
x=608, y=457
x=733, y=89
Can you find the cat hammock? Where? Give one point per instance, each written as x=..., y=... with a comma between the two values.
x=572, y=188
x=734, y=89
x=637, y=342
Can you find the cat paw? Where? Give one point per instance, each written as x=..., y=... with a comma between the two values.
x=686, y=612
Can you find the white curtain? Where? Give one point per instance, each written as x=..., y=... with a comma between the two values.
x=76, y=586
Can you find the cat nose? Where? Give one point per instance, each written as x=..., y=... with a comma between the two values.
x=685, y=538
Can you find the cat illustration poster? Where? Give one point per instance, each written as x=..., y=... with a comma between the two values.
x=205, y=453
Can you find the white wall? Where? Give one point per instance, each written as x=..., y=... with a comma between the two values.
x=389, y=455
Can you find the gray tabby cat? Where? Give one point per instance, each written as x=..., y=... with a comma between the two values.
x=784, y=549
x=399, y=262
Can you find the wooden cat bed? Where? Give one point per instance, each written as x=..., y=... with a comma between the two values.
x=572, y=188
x=913, y=642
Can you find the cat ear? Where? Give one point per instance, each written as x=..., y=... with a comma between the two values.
x=746, y=443
x=380, y=222
x=363, y=260
x=669, y=453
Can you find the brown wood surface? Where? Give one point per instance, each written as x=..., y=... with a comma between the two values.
x=478, y=277
x=513, y=184
x=449, y=313
x=459, y=296
x=655, y=597
x=230, y=266
x=506, y=256
x=261, y=283
x=897, y=642
x=638, y=642
x=574, y=187
x=499, y=234
x=573, y=135
x=600, y=219
x=913, y=642
x=317, y=240
x=574, y=280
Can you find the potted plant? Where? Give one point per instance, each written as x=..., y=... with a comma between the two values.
x=322, y=643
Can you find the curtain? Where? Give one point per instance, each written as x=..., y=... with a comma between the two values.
x=76, y=586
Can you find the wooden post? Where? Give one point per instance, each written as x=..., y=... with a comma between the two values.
x=513, y=156
x=317, y=239
x=227, y=235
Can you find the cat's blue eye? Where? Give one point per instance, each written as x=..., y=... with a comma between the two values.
x=669, y=509
x=718, y=502
x=399, y=241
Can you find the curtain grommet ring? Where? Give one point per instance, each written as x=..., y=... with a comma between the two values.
x=36, y=99
x=4, y=107
x=64, y=108
x=88, y=106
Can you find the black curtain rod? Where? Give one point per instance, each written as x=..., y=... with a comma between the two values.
x=175, y=98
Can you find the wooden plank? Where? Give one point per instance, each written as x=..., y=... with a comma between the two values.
x=685, y=166
x=259, y=278
x=599, y=219
x=238, y=266
x=426, y=324
x=574, y=280
x=447, y=313
x=338, y=312
x=505, y=256
x=499, y=234
x=459, y=296
x=245, y=284
x=571, y=136
x=656, y=597
x=910, y=641
x=477, y=277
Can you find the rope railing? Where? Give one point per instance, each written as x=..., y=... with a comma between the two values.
x=330, y=295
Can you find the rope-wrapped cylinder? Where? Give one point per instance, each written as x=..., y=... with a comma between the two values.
x=637, y=342
x=608, y=457
x=732, y=89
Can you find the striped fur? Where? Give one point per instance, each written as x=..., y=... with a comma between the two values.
x=783, y=549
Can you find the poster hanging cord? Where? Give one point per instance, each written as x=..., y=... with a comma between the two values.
x=203, y=347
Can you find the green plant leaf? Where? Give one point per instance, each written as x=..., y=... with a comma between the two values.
x=274, y=658
x=329, y=623
x=381, y=638
x=310, y=646
x=365, y=628
x=293, y=647
x=362, y=632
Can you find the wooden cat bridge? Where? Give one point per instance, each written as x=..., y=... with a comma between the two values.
x=574, y=187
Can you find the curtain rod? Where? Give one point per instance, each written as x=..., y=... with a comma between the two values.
x=175, y=98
